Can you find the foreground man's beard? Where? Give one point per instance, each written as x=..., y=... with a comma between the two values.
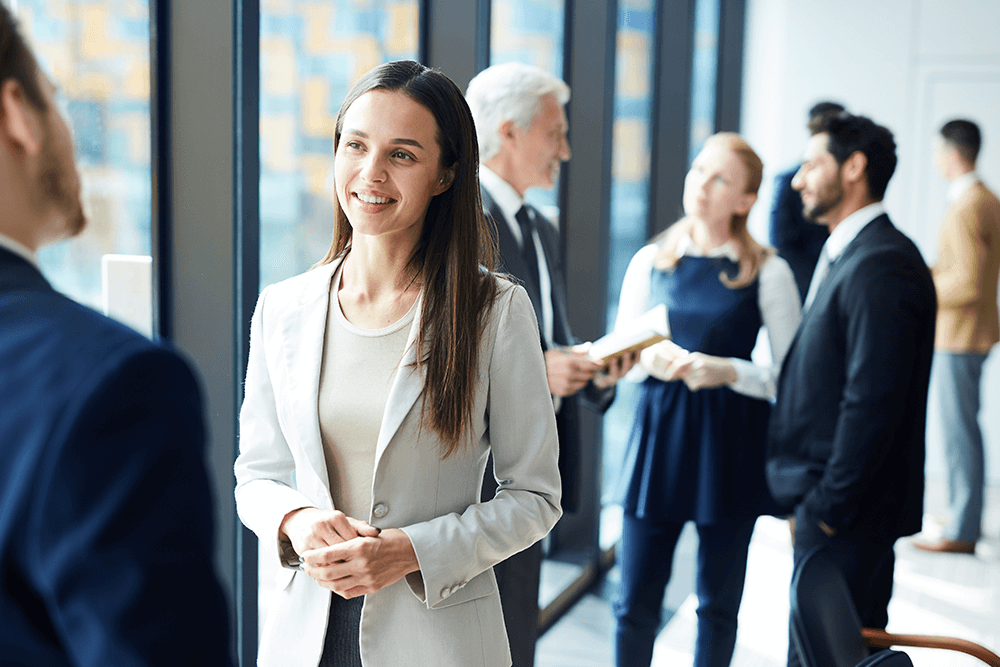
x=828, y=199
x=59, y=186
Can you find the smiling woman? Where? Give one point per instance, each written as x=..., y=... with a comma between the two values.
x=378, y=384
x=387, y=169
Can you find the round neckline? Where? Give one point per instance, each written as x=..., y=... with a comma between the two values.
x=387, y=330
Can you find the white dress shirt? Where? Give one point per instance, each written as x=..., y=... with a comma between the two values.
x=10, y=244
x=839, y=239
x=960, y=185
x=777, y=298
x=510, y=203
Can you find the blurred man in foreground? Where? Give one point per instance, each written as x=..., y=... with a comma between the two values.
x=106, y=533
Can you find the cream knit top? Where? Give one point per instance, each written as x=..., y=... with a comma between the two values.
x=359, y=366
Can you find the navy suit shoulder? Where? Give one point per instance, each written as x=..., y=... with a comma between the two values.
x=786, y=210
x=510, y=258
x=107, y=533
x=846, y=438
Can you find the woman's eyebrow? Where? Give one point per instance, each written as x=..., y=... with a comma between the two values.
x=400, y=140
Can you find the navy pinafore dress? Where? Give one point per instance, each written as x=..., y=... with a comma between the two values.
x=699, y=455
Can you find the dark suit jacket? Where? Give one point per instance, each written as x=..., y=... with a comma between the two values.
x=797, y=240
x=567, y=419
x=846, y=436
x=106, y=533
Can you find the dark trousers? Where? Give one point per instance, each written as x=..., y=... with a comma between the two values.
x=646, y=559
x=867, y=567
x=517, y=579
x=342, y=647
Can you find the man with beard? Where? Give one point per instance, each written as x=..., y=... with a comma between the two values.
x=106, y=534
x=846, y=439
x=797, y=240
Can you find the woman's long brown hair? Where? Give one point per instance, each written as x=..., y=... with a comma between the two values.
x=750, y=253
x=454, y=257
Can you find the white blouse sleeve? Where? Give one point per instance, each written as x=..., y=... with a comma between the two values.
x=780, y=309
x=634, y=299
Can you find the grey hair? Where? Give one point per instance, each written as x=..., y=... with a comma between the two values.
x=509, y=91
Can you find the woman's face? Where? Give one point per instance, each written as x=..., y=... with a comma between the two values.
x=386, y=167
x=714, y=188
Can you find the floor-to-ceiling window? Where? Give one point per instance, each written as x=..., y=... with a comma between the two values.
x=531, y=32
x=97, y=53
x=704, y=74
x=631, y=162
x=310, y=55
x=528, y=31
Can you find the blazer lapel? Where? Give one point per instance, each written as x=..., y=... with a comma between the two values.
x=406, y=389
x=302, y=337
x=511, y=256
x=837, y=266
x=561, y=332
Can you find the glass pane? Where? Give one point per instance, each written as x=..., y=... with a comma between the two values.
x=705, y=73
x=629, y=211
x=310, y=55
x=530, y=32
x=97, y=52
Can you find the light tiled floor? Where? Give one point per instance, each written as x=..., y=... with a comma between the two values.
x=934, y=594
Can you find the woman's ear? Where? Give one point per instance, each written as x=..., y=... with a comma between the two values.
x=20, y=126
x=445, y=179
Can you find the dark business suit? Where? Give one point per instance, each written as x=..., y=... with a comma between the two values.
x=518, y=576
x=106, y=532
x=846, y=439
x=797, y=240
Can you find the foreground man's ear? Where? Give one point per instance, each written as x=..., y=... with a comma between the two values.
x=20, y=121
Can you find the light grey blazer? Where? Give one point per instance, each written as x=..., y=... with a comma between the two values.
x=448, y=613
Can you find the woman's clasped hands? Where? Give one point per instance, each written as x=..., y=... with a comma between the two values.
x=348, y=556
x=670, y=362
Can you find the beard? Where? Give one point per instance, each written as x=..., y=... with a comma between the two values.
x=827, y=199
x=58, y=186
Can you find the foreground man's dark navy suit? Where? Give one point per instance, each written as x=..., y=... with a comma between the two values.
x=106, y=525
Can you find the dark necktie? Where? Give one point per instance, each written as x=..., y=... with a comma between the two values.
x=525, y=218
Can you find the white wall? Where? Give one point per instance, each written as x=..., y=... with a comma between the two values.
x=910, y=65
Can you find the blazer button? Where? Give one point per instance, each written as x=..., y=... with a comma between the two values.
x=380, y=510
x=445, y=592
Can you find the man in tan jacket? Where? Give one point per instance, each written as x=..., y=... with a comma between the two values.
x=968, y=325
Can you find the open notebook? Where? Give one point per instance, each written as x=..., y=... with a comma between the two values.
x=648, y=329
